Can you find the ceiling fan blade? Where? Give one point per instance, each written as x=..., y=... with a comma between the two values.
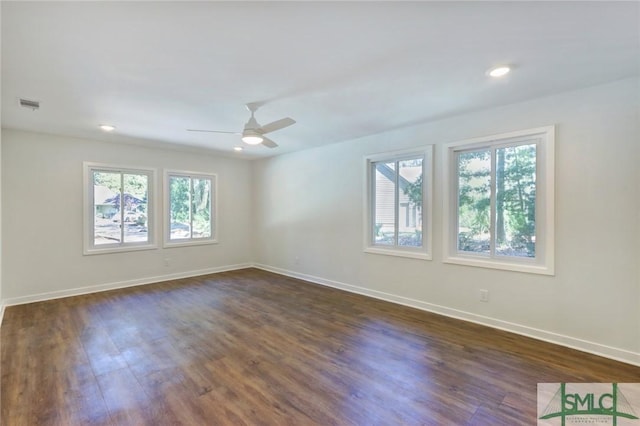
x=212, y=131
x=277, y=125
x=268, y=142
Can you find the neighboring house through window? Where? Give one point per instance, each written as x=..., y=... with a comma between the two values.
x=118, y=208
x=398, y=205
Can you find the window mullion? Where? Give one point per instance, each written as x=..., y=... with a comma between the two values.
x=91, y=189
x=424, y=200
x=492, y=214
x=397, y=205
x=121, y=208
x=454, y=216
x=190, y=207
x=372, y=203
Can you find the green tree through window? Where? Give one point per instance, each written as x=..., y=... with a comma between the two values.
x=190, y=207
x=514, y=190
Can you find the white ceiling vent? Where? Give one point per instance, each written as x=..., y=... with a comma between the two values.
x=34, y=105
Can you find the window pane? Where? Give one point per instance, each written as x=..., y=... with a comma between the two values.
x=474, y=201
x=516, y=201
x=410, y=203
x=106, y=208
x=201, y=208
x=135, y=208
x=179, y=188
x=384, y=209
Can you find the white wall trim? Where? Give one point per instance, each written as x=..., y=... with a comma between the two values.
x=214, y=218
x=424, y=252
x=594, y=348
x=2, y=305
x=89, y=247
x=115, y=285
x=543, y=263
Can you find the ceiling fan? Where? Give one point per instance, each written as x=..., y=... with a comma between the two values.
x=254, y=133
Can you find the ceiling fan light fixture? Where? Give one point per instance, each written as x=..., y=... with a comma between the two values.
x=253, y=133
x=252, y=137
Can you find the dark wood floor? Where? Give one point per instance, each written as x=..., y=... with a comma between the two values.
x=250, y=347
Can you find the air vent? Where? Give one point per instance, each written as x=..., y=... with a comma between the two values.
x=34, y=105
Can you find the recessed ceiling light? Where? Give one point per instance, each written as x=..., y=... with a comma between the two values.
x=237, y=148
x=107, y=127
x=499, y=71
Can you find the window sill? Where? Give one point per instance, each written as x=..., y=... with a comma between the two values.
x=187, y=243
x=398, y=253
x=121, y=249
x=529, y=268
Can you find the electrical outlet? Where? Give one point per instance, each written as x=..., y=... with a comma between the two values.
x=484, y=295
x=167, y=261
x=297, y=260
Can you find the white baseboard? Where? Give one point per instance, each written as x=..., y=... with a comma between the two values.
x=120, y=284
x=547, y=336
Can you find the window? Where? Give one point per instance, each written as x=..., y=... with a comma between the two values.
x=398, y=205
x=118, y=209
x=499, y=201
x=190, y=208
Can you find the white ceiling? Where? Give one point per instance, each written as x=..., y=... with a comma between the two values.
x=342, y=70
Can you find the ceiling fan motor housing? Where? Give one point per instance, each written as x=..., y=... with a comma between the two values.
x=252, y=124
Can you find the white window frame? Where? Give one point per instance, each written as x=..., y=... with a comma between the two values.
x=543, y=263
x=424, y=252
x=168, y=242
x=89, y=248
